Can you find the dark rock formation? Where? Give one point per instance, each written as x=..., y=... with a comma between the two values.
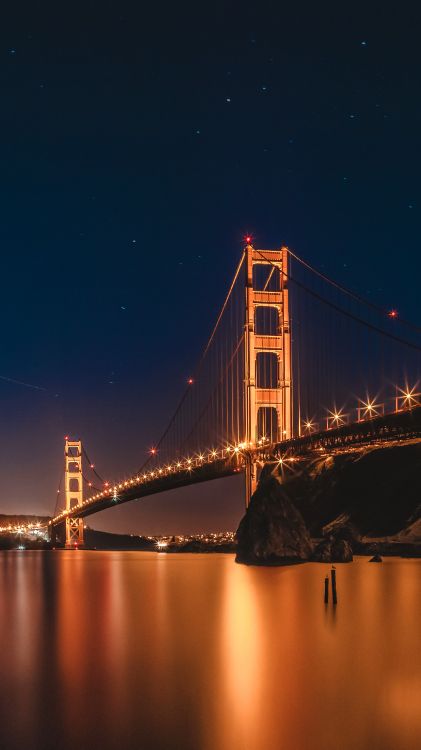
x=372, y=492
x=108, y=540
x=273, y=530
x=333, y=550
x=342, y=528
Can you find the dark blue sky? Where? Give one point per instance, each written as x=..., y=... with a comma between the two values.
x=137, y=147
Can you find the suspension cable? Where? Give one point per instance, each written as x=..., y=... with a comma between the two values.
x=350, y=315
x=349, y=292
x=91, y=465
x=198, y=368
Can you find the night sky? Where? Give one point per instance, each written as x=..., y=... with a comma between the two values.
x=138, y=146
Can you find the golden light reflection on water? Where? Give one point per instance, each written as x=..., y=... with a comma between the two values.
x=193, y=652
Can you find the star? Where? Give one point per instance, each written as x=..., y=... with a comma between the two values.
x=228, y=99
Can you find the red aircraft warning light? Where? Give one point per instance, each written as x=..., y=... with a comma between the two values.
x=190, y=381
x=393, y=314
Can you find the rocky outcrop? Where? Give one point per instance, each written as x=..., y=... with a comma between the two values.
x=368, y=492
x=361, y=501
x=333, y=550
x=273, y=531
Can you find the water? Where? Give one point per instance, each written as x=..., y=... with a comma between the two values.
x=193, y=652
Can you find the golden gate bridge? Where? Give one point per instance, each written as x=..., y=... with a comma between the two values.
x=295, y=363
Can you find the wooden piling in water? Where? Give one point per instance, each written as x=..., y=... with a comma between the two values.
x=333, y=580
x=327, y=589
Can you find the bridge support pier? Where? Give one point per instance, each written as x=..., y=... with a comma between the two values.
x=74, y=491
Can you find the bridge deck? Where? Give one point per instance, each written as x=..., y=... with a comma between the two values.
x=183, y=478
x=403, y=426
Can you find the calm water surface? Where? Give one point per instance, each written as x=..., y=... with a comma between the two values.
x=193, y=652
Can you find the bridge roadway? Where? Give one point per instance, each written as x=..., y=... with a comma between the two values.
x=142, y=486
x=398, y=426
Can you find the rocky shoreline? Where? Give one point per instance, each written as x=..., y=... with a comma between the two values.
x=335, y=506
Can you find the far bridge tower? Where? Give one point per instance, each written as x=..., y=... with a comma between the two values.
x=73, y=483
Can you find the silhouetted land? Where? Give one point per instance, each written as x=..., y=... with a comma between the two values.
x=357, y=502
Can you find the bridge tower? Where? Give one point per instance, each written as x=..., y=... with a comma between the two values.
x=73, y=483
x=266, y=290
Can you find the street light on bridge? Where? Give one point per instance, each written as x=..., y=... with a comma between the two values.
x=309, y=425
x=335, y=418
x=369, y=409
x=408, y=399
